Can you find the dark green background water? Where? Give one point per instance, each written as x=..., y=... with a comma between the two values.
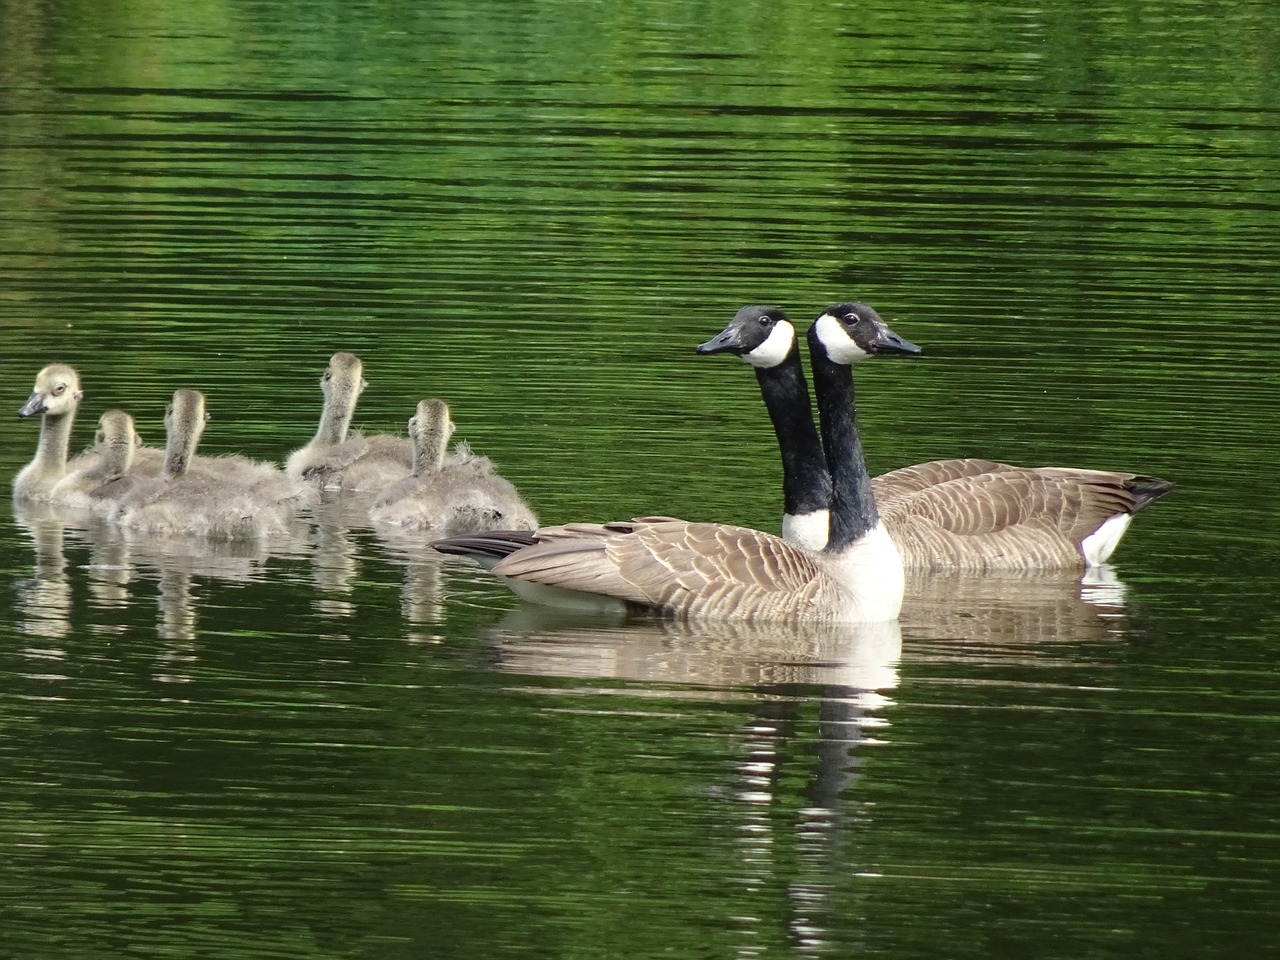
x=349, y=748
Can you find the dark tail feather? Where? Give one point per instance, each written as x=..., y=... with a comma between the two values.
x=1147, y=490
x=493, y=543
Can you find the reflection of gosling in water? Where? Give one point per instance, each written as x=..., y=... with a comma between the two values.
x=184, y=501
x=457, y=494
x=333, y=460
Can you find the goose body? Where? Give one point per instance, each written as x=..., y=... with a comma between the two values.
x=338, y=459
x=962, y=514
x=183, y=501
x=709, y=570
x=449, y=494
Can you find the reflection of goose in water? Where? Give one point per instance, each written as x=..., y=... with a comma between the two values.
x=338, y=459
x=448, y=495
x=724, y=654
x=827, y=683
x=1018, y=609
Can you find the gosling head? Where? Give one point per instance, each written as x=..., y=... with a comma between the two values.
x=849, y=332
x=115, y=440
x=344, y=377
x=57, y=392
x=760, y=336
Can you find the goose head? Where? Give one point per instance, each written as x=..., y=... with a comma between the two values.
x=115, y=440
x=849, y=332
x=430, y=429
x=57, y=392
x=184, y=421
x=758, y=335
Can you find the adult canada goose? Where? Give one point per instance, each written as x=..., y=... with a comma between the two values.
x=334, y=460
x=710, y=570
x=183, y=501
x=963, y=514
x=461, y=494
x=56, y=397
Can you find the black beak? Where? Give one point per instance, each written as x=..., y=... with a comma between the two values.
x=726, y=341
x=887, y=343
x=34, y=404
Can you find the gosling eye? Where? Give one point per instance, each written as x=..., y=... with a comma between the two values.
x=59, y=389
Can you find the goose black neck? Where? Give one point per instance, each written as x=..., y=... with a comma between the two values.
x=806, y=485
x=853, y=505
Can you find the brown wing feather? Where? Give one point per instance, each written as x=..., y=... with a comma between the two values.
x=686, y=569
x=1016, y=518
x=906, y=481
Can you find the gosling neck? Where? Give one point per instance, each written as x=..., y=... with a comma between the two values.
x=180, y=448
x=54, y=444
x=335, y=420
x=428, y=452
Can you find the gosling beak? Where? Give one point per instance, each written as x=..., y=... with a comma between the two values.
x=34, y=405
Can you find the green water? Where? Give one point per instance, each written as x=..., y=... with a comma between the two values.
x=346, y=747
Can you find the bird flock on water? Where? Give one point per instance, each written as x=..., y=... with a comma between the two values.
x=847, y=537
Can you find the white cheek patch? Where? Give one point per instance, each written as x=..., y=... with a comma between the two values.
x=775, y=349
x=840, y=347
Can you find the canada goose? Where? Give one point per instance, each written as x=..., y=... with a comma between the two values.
x=459, y=495
x=334, y=460
x=710, y=570
x=183, y=501
x=56, y=397
x=963, y=514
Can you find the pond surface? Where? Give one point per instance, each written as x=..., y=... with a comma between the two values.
x=343, y=746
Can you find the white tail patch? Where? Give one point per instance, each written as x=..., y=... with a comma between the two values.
x=808, y=530
x=1098, y=546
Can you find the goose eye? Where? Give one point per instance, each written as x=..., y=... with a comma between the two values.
x=60, y=389
x=766, y=321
